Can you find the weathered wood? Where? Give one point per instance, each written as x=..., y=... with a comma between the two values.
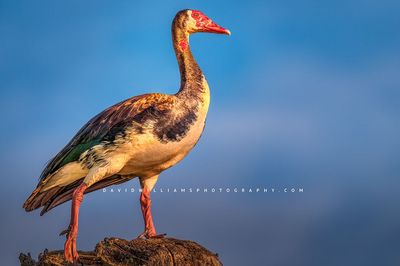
x=115, y=251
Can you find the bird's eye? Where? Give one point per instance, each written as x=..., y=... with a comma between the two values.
x=195, y=15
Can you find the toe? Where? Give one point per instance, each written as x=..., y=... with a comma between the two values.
x=142, y=235
x=74, y=252
x=69, y=249
x=158, y=236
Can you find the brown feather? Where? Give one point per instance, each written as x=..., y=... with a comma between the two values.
x=28, y=203
x=98, y=127
x=65, y=194
x=101, y=125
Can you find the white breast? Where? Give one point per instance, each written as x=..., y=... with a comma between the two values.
x=149, y=156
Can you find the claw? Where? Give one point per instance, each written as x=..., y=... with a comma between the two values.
x=65, y=232
x=142, y=235
x=146, y=235
x=159, y=236
x=70, y=253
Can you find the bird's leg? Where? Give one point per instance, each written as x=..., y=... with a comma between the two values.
x=70, y=252
x=95, y=174
x=145, y=203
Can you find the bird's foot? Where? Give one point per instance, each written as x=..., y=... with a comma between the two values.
x=150, y=234
x=70, y=253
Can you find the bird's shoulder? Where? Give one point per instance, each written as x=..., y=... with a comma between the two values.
x=108, y=123
x=123, y=112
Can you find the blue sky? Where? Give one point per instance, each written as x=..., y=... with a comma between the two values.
x=304, y=94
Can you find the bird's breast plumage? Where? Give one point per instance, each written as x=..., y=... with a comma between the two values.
x=166, y=142
x=156, y=139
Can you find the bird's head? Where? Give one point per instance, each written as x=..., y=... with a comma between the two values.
x=193, y=21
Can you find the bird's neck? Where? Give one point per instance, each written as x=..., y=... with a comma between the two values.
x=193, y=83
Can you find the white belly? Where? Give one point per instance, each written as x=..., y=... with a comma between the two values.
x=148, y=156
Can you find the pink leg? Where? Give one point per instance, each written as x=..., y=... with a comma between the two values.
x=149, y=229
x=70, y=252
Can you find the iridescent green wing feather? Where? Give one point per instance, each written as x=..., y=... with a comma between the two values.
x=90, y=135
x=105, y=125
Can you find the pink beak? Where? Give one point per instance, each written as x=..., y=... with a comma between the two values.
x=215, y=28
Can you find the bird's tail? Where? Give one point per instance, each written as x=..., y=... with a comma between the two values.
x=64, y=179
x=39, y=198
x=50, y=194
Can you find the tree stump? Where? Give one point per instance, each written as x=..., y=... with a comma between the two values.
x=115, y=251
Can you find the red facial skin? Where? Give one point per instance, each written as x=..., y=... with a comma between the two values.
x=183, y=44
x=205, y=24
